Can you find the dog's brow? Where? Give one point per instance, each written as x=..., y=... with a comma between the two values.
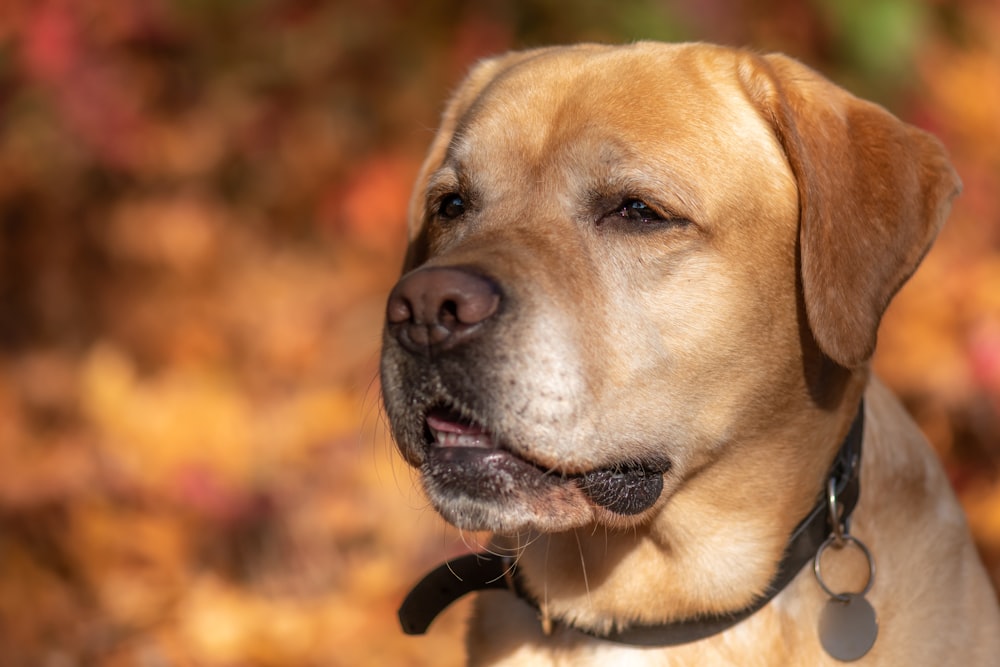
x=663, y=185
x=445, y=178
x=449, y=178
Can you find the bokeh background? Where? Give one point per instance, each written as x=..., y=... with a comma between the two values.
x=201, y=210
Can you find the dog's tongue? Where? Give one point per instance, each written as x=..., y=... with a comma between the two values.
x=450, y=430
x=449, y=423
x=625, y=490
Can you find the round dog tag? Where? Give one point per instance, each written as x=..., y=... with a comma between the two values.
x=847, y=627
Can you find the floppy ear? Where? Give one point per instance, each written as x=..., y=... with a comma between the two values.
x=873, y=193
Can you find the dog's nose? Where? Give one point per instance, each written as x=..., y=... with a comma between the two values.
x=437, y=308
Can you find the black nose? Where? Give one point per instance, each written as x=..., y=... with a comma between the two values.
x=437, y=308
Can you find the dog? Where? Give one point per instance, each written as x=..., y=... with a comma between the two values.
x=632, y=340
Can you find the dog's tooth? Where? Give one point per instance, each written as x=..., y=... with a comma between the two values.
x=447, y=439
x=472, y=441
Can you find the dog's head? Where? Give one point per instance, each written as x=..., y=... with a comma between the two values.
x=627, y=263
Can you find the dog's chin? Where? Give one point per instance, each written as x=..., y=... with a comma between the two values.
x=493, y=490
x=476, y=483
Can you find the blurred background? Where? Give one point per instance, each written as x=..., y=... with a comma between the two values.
x=201, y=210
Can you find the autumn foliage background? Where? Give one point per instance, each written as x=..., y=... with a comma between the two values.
x=201, y=211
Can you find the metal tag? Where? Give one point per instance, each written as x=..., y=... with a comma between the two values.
x=848, y=627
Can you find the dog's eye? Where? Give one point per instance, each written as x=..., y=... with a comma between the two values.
x=637, y=210
x=452, y=206
x=636, y=214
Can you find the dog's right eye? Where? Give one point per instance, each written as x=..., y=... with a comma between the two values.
x=452, y=206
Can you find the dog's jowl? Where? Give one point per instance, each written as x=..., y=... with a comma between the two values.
x=632, y=339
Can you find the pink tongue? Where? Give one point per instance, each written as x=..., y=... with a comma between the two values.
x=447, y=423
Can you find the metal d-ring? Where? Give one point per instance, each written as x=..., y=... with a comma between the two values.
x=839, y=529
x=840, y=543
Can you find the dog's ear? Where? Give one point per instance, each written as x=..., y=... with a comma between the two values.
x=873, y=193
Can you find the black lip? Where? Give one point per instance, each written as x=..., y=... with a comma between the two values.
x=627, y=490
x=495, y=474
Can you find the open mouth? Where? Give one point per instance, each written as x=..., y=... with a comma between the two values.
x=473, y=462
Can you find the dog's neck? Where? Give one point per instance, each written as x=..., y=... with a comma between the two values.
x=476, y=572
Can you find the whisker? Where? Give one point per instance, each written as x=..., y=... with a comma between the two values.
x=373, y=413
x=454, y=574
x=583, y=566
x=545, y=582
x=465, y=542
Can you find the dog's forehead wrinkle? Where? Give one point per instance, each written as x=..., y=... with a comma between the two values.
x=533, y=110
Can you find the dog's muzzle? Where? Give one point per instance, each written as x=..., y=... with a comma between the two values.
x=436, y=316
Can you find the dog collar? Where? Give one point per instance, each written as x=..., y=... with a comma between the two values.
x=483, y=571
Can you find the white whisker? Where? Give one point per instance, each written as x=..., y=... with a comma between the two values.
x=583, y=566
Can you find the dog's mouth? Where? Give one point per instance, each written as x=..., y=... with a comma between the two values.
x=464, y=457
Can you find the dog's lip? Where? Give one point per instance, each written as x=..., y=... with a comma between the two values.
x=625, y=489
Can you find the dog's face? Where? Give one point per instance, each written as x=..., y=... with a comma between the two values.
x=617, y=276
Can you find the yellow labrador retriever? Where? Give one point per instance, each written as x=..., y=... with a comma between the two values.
x=633, y=337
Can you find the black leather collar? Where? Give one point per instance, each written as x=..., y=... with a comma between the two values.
x=476, y=572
